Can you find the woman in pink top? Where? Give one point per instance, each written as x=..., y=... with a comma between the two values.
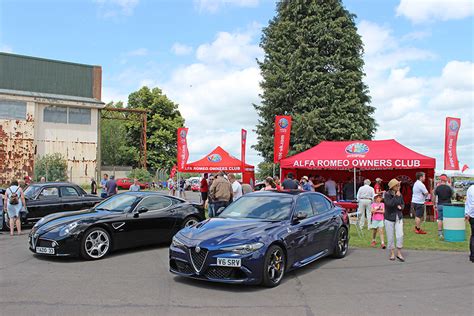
x=378, y=209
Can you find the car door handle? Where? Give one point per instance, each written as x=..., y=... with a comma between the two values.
x=172, y=211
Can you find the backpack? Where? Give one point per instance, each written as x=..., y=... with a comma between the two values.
x=13, y=199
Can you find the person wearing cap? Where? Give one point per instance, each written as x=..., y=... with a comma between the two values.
x=394, y=205
x=377, y=209
x=305, y=184
x=443, y=194
x=378, y=186
x=365, y=197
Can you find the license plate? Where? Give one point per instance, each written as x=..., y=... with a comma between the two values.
x=46, y=250
x=228, y=262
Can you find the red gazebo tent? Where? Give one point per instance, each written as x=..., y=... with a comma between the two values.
x=220, y=160
x=342, y=160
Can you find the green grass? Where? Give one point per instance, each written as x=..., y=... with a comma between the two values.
x=411, y=240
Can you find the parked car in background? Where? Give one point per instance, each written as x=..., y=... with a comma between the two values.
x=52, y=197
x=259, y=185
x=125, y=220
x=125, y=183
x=261, y=236
x=195, y=185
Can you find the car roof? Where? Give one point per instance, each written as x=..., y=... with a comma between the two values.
x=279, y=193
x=42, y=184
x=149, y=193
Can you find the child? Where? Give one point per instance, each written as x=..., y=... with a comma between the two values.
x=377, y=209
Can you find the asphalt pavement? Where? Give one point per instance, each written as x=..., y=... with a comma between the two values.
x=138, y=282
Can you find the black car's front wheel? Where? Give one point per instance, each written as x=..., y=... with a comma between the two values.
x=274, y=266
x=96, y=243
x=342, y=243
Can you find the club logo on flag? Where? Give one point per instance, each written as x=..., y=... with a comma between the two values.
x=283, y=123
x=214, y=158
x=453, y=126
x=357, y=149
x=182, y=134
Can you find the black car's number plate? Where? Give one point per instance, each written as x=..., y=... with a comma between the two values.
x=45, y=250
x=228, y=262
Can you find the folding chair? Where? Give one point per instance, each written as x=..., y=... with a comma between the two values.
x=354, y=220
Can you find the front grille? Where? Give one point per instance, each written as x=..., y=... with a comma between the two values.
x=198, y=258
x=182, y=267
x=44, y=243
x=219, y=272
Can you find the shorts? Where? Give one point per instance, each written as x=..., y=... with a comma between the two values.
x=419, y=209
x=376, y=224
x=440, y=212
x=204, y=196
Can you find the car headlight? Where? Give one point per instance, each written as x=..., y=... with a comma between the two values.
x=244, y=249
x=177, y=243
x=67, y=229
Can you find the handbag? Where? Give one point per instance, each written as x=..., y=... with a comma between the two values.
x=24, y=212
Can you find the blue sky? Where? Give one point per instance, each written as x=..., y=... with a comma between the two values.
x=419, y=60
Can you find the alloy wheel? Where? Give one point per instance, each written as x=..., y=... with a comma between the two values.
x=342, y=242
x=276, y=266
x=97, y=244
x=190, y=222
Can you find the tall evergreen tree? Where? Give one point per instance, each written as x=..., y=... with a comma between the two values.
x=313, y=70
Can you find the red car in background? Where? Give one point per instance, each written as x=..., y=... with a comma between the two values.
x=125, y=183
x=195, y=186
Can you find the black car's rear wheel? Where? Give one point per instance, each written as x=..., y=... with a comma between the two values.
x=190, y=221
x=274, y=266
x=342, y=243
x=95, y=244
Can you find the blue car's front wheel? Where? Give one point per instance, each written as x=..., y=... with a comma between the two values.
x=274, y=266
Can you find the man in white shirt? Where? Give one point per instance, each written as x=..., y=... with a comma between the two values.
x=365, y=197
x=469, y=213
x=418, y=200
x=236, y=187
x=330, y=188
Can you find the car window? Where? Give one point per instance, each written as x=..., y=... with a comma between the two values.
x=303, y=204
x=259, y=207
x=155, y=203
x=68, y=191
x=320, y=204
x=49, y=193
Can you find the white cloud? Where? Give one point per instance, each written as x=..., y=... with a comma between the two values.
x=412, y=109
x=233, y=48
x=212, y=6
x=419, y=11
x=138, y=52
x=181, y=49
x=114, y=8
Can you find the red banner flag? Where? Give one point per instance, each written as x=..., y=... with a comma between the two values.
x=243, y=135
x=450, y=142
x=281, y=137
x=183, y=152
x=173, y=171
x=464, y=168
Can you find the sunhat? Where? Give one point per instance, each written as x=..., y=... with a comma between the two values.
x=393, y=183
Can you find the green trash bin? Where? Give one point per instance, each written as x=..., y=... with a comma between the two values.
x=453, y=223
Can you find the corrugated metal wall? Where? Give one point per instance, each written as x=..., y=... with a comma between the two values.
x=48, y=76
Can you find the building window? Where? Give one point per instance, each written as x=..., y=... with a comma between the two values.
x=12, y=110
x=79, y=116
x=55, y=114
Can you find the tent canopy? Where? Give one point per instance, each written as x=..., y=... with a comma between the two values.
x=362, y=155
x=218, y=160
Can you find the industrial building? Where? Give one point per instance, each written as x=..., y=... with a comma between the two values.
x=48, y=106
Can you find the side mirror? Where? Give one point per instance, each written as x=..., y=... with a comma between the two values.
x=300, y=216
x=142, y=210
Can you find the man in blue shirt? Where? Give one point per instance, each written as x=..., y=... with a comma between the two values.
x=103, y=182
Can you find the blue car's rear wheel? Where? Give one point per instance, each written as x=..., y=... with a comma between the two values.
x=274, y=266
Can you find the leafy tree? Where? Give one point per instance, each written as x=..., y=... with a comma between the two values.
x=141, y=174
x=51, y=166
x=264, y=169
x=115, y=149
x=163, y=120
x=312, y=70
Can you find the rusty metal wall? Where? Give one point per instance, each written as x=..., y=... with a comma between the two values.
x=17, y=150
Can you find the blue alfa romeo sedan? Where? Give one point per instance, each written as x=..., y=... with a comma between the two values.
x=261, y=236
